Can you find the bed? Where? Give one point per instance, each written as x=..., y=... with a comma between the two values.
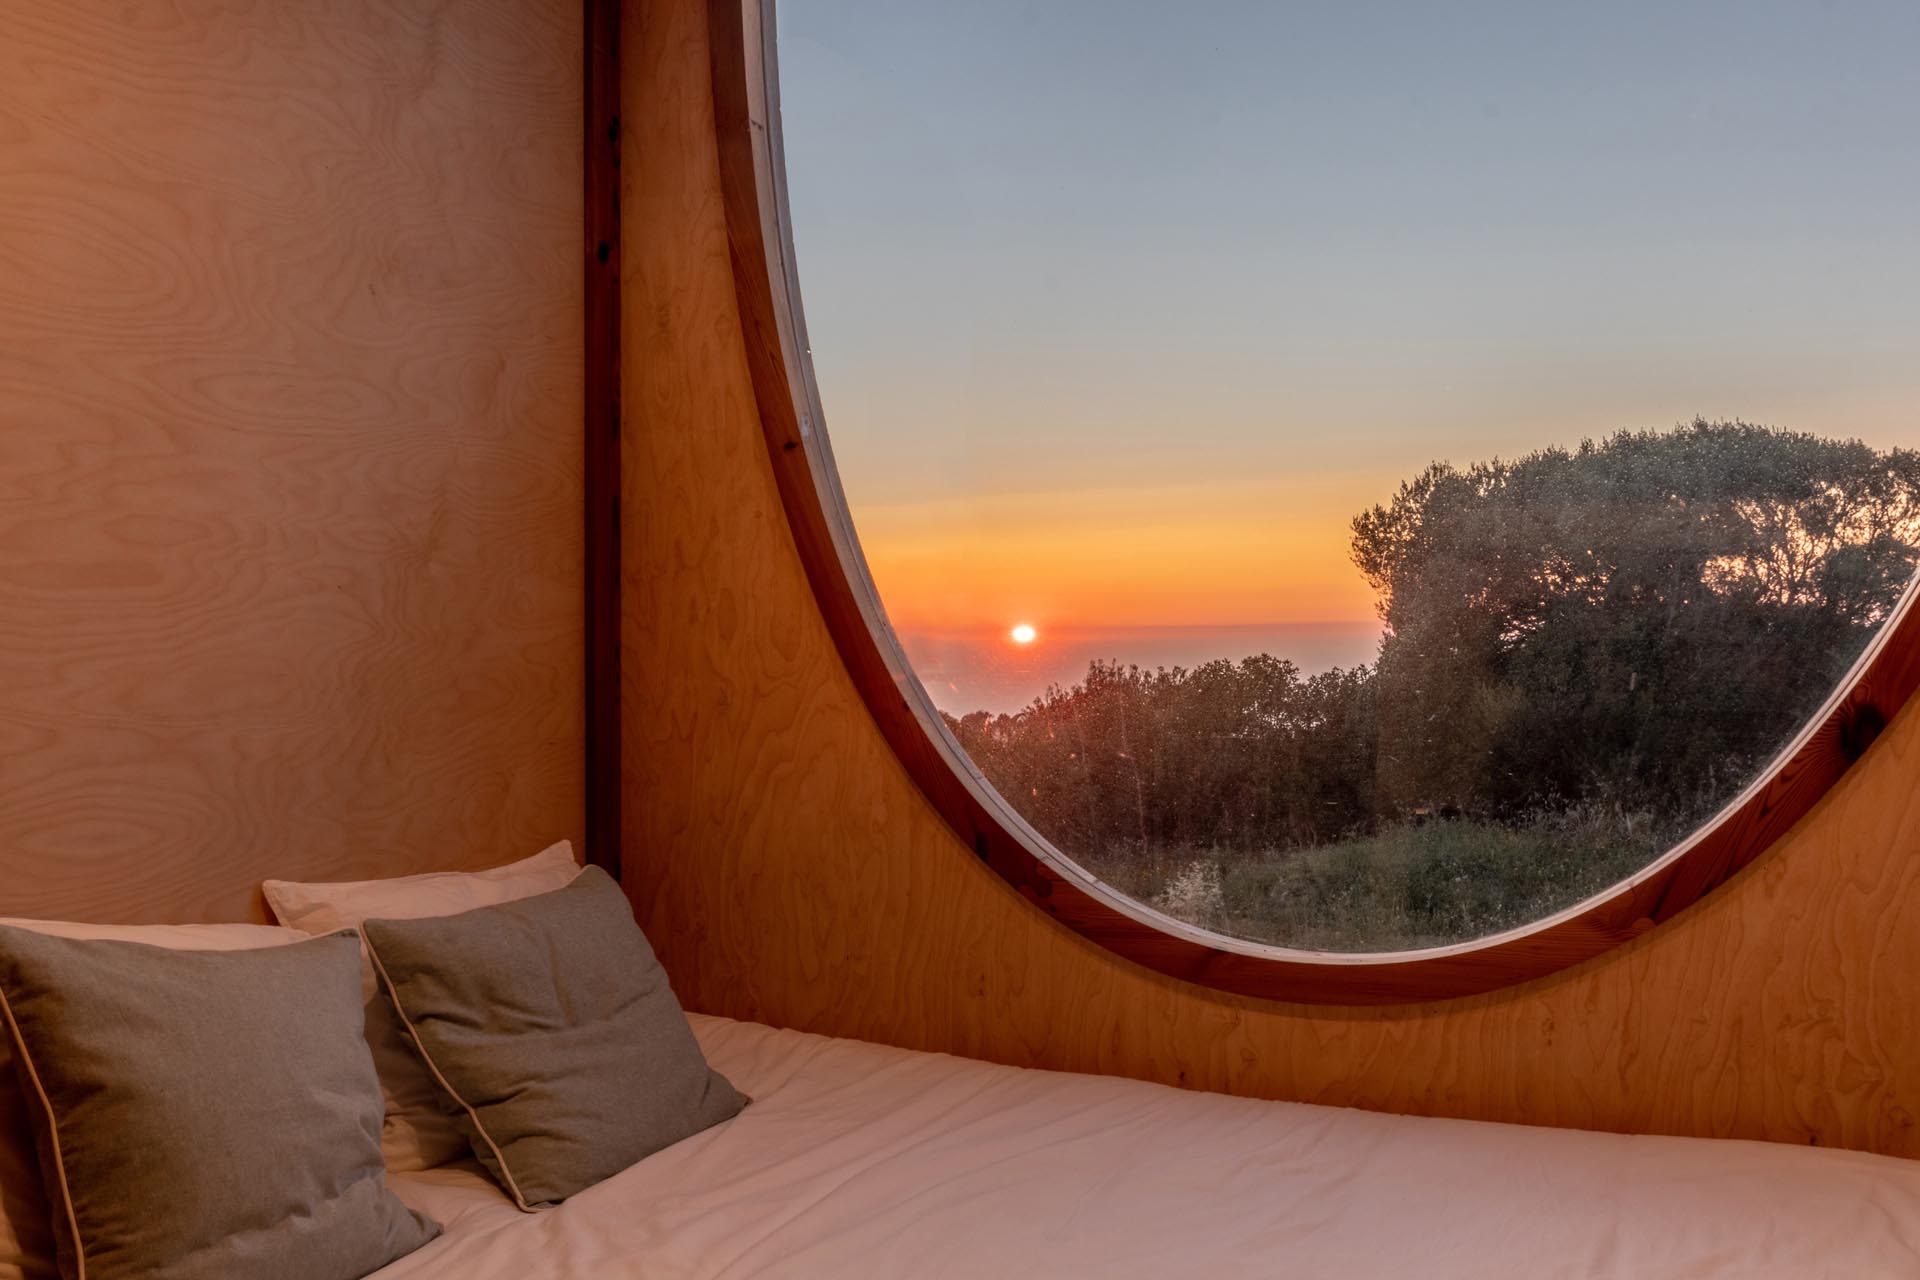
x=861, y=1160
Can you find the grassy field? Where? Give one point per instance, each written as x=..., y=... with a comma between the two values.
x=1404, y=886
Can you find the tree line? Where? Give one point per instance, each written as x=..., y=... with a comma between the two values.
x=1634, y=625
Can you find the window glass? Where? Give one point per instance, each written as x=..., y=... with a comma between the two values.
x=1365, y=476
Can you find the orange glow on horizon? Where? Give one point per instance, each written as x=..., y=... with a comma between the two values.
x=1204, y=555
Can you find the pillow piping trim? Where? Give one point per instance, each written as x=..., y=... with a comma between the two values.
x=53, y=1136
x=413, y=1033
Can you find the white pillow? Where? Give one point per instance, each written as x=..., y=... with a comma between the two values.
x=418, y=1133
x=26, y=1218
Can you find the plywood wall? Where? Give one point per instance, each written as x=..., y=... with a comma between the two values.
x=290, y=418
x=788, y=871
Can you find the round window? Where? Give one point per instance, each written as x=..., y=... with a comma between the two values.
x=1367, y=478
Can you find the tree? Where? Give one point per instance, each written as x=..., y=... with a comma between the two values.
x=1643, y=619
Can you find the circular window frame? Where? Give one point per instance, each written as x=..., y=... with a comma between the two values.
x=752, y=169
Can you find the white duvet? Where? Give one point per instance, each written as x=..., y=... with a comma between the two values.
x=857, y=1160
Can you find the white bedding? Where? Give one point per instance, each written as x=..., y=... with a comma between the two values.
x=857, y=1160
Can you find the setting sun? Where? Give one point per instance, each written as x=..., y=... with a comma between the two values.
x=1023, y=633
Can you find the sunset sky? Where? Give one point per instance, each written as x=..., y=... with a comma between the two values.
x=1122, y=310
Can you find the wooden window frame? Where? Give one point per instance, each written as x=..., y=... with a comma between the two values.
x=753, y=177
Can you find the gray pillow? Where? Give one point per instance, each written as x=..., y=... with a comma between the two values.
x=551, y=1026
x=203, y=1115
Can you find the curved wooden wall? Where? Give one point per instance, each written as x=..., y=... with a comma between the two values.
x=766, y=288
x=787, y=870
x=290, y=439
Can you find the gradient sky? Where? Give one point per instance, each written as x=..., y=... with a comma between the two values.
x=1121, y=310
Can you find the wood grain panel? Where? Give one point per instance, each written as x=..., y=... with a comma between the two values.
x=290, y=456
x=788, y=869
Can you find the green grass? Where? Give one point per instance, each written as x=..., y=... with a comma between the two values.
x=1404, y=886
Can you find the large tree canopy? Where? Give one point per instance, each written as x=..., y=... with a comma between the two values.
x=1646, y=616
